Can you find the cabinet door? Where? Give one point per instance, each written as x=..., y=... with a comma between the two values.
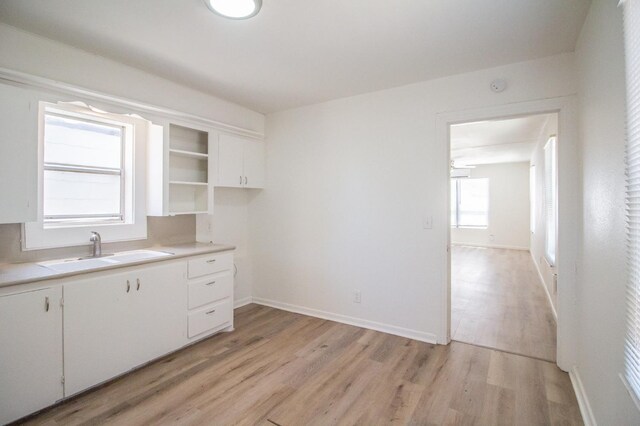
x=98, y=338
x=18, y=155
x=160, y=304
x=230, y=161
x=254, y=164
x=30, y=352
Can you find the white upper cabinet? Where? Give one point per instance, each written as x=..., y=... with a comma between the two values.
x=240, y=162
x=179, y=170
x=18, y=155
x=30, y=352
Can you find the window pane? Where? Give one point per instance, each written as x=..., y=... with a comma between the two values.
x=454, y=203
x=79, y=194
x=550, y=183
x=474, y=202
x=82, y=143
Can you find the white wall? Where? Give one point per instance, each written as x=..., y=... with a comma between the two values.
x=602, y=273
x=230, y=225
x=508, y=208
x=349, y=183
x=32, y=54
x=539, y=235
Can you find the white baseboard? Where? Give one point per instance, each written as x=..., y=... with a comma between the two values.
x=242, y=302
x=546, y=290
x=358, y=322
x=581, y=396
x=496, y=246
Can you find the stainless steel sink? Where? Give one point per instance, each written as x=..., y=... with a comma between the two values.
x=81, y=264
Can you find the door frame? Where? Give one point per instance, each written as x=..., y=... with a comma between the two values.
x=568, y=209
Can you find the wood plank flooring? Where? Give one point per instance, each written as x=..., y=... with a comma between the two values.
x=281, y=368
x=497, y=301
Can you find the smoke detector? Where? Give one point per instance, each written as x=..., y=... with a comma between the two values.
x=498, y=85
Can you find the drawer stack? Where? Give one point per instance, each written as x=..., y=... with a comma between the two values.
x=210, y=294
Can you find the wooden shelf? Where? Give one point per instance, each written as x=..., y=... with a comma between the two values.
x=189, y=154
x=178, y=182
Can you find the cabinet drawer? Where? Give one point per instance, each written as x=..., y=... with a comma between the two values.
x=209, y=289
x=205, y=265
x=209, y=318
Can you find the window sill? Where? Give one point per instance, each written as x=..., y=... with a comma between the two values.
x=469, y=227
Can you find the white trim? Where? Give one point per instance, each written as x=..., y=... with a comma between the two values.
x=583, y=402
x=358, y=322
x=630, y=391
x=496, y=246
x=568, y=208
x=36, y=82
x=239, y=303
x=546, y=290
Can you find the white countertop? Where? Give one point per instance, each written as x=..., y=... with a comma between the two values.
x=22, y=273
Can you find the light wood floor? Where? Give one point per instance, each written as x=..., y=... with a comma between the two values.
x=497, y=301
x=288, y=369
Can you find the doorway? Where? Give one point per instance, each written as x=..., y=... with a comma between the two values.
x=503, y=236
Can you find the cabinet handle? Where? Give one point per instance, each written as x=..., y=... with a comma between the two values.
x=246, y=180
x=138, y=284
x=211, y=260
x=211, y=312
x=46, y=304
x=128, y=286
x=240, y=180
x=211, y=283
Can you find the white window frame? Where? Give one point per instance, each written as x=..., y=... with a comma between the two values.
x=125, y=150
x=532, y=198
x=631, y=374
x=551, y=200
x=44, y=234
x=457, y=224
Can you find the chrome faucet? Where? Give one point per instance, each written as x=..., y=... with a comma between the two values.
x=97, y=244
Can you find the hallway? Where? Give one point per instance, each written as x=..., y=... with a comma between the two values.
x=498, y=302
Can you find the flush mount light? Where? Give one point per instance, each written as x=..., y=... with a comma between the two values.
x=234, y=9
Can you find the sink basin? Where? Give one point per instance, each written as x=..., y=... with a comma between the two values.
x=136, y=255
x=71, y=265
x=75, y=264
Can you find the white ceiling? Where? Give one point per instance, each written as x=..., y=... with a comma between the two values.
x=496, y=141
x=298, y=52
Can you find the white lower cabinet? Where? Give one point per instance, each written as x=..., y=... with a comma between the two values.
x=30, y=352
x=119, y=321
x=107, y=324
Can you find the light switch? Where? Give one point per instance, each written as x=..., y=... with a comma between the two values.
x=427, y=222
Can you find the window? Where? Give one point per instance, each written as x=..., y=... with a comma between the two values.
x=92, y=175
x=470, y=203
x=550, y=200
x=632, y=340
x=532, y=199
x=83, y=170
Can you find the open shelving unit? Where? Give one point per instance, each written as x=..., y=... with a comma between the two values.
x=188, y=170
x=179, y=174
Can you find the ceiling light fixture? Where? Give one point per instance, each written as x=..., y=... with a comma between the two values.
x=234, y=9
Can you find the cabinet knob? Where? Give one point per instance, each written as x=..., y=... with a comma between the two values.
x=128, y=286
x=211, y=260
x=240, y=180
x=138, y=284
x=246, y=180
x=46, y=304
x=211, y=283
x=213, y=311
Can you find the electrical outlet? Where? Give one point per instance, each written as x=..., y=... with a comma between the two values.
x=357, y=296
